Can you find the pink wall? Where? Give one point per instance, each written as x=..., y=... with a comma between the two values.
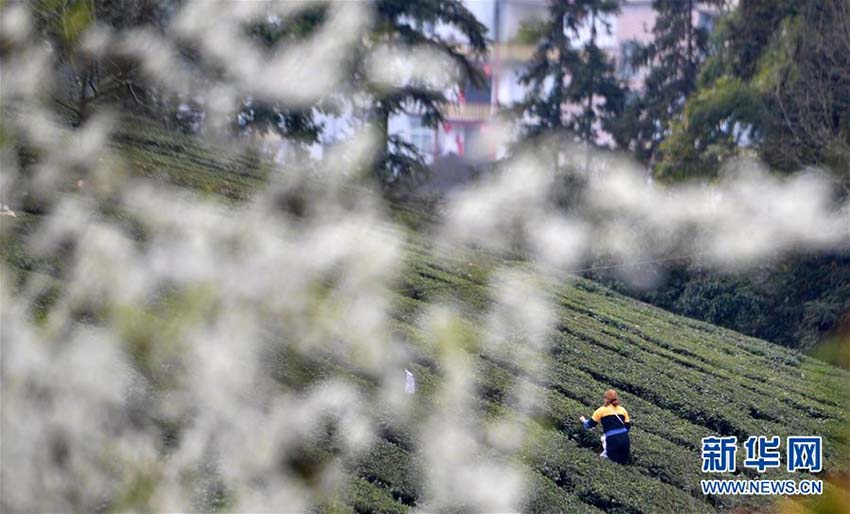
x=635, y=21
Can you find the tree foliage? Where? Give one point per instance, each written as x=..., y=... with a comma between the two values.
x=259, y=117
x=796, y=302
x=773, y=82
x=409, y=25
x=85, y=77
x=673, y=58
x=572, y=85
x=779, y=84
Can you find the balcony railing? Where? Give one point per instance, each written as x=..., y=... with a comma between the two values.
x=508, y=52
x=467, y=111
x=512, y=52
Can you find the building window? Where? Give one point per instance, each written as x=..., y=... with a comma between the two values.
x=422, y=137
x=625, y=63
x=705, y=21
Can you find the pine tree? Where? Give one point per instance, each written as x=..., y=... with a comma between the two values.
x=546, y=74
x=297, y=125
x=96, y=80
x=593, y=83
x=405, y=24
x=674, y=57
x=572, y=87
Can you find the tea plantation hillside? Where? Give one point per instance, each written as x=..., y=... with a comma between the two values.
x=681, y=380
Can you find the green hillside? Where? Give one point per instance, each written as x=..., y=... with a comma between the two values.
x=680, y=379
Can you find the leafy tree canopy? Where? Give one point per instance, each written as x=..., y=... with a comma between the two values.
x=778, y=84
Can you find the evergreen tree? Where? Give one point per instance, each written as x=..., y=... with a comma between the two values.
x=408, y=24
x=546, y=74
x=88, y=80
x=297, y=125
x=593, y=83
x=572, y=87
x=674, y=57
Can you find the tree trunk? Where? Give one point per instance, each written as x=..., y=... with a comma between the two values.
x=689, y=36
x=83, y=100
x=381, y=120
x=588, y=129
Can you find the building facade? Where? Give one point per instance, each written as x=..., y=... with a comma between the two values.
x=473, y=110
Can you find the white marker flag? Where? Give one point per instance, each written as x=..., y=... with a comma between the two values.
x=409, y=382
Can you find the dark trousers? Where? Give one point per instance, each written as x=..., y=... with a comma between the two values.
x=618, y=448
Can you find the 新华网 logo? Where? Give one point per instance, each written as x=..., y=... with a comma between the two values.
x=803, y=453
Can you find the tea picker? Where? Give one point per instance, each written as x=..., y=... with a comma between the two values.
x=616, y=424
